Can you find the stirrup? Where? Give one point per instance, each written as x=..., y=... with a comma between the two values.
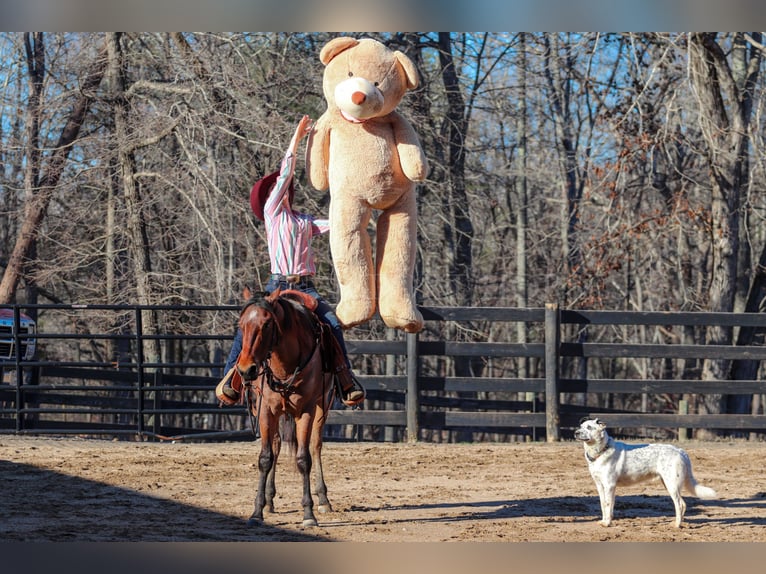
x=225, y=393
x=355, y=395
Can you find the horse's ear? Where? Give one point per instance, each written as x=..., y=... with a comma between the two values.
x=246, y=293
x=275, y=293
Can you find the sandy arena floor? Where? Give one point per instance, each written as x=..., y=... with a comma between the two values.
x=69, y=489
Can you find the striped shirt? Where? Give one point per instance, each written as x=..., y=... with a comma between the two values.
x=289, y=233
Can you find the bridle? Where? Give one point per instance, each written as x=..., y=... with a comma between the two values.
x=285, y=386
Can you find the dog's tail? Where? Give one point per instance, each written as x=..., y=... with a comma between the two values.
x=703, y=491
x=697, y=489
x=694, y=487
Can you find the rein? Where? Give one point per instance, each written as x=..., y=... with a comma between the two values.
x=253, y=416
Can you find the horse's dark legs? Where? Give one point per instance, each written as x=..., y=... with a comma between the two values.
x=271, y=486
x=266, y=465
x=319, y=488
x=303, y=461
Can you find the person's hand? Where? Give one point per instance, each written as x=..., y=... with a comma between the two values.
x=304, y=126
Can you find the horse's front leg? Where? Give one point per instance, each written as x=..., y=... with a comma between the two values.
x=271, y=483
x=319, y=487
x=303, y=461
x=268, y=427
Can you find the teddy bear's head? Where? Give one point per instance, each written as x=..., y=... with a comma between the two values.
x=364, y=78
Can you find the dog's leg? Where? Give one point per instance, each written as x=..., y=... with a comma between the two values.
x=674, y=489
x=674, y=480
x=680, y=510
x=606, y=498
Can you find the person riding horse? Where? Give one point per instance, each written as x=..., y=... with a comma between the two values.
x=283, y=362
x=289, y=234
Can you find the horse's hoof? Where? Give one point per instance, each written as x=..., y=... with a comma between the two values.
x=253, y=521
x=309, y=523
x=324, y=508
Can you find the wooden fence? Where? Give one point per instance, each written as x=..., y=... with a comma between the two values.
x=534, y=385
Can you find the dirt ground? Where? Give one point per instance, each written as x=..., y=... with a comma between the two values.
x=88, y=490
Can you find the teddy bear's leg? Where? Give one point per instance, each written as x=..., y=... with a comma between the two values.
x=352, y=258
x=395, y=256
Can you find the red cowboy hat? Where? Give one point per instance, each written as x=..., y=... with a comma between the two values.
x=261, y=191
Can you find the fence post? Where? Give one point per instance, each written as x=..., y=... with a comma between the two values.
x=157, y=402
x=413, y=398
x=683, y=409
x=17, y=367
x=552, y=338
x=140, y=373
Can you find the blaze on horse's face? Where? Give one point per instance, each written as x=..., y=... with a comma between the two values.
x=260, y=330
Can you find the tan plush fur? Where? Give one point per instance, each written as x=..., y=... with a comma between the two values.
x=370, y=157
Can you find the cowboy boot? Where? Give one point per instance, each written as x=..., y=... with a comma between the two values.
x=229, y=390
x=352, y=392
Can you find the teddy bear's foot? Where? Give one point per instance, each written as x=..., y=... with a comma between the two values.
x=408, y=324
x=352, y=315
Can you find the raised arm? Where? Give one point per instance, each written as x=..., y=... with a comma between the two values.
x=302, y=130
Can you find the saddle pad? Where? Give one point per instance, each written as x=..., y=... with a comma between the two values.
x=303, y=298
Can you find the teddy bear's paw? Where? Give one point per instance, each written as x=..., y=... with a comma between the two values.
x=352, y=315
x=411, y=324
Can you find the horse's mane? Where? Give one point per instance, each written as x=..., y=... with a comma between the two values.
x=259, y=298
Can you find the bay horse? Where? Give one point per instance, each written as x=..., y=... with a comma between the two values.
x=282, y=367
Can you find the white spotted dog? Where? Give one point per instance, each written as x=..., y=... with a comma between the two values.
x=613, y=463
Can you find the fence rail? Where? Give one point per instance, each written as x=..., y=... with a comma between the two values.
x=569, y=363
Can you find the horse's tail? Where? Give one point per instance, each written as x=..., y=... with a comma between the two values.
x=289, y=436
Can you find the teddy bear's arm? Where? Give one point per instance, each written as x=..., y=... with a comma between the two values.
x=317, y=154
x=411, y=155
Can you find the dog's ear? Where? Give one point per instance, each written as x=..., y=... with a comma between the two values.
x=600, y=423
x=582, y=420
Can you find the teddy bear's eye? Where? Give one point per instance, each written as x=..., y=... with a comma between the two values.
x=377, y=84
x=350, y=74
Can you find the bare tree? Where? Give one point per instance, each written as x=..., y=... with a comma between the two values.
x=724, y=87
x=126, y=166
x=38, y=196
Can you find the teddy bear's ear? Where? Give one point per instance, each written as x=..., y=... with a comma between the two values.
x=410, y=71
x=335, y=47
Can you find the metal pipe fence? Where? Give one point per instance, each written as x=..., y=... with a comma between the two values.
x=99, y=370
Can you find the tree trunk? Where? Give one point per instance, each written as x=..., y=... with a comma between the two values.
x=559, y=79
x=521, y=189
x=459, y=229
x=560, y=85
x=742, y=370
x=520, y=210
x=135, y=224
x=726, y=136
x=35, y=51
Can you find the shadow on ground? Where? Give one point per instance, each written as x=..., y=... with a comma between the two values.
x=45, y=506
x=587, y=509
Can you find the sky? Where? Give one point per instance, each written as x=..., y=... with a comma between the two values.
x=382, y=15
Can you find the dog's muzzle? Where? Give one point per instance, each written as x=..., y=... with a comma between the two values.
x=581, y=434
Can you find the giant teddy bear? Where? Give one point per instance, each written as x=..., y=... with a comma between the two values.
x=370, y=157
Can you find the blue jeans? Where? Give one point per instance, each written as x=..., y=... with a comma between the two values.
x=325, y=313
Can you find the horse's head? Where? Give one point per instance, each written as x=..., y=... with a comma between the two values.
x=261, y=331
